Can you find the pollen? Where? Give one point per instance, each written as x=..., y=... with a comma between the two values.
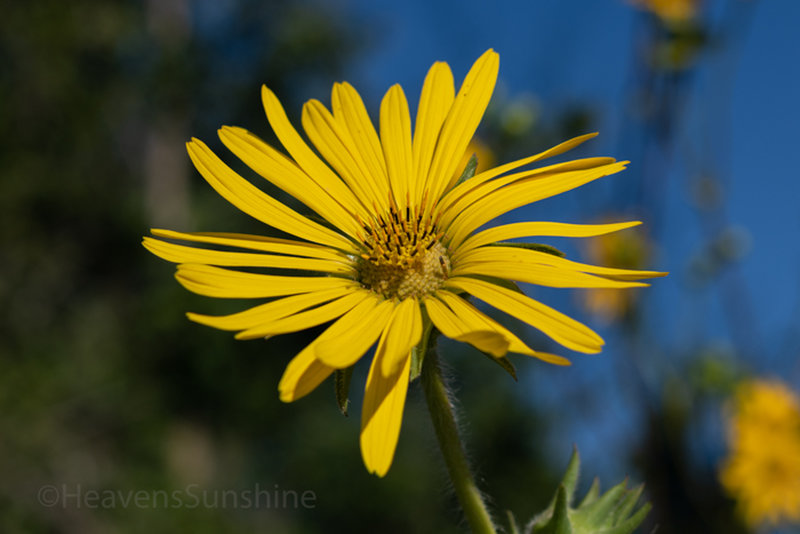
x=403, y=256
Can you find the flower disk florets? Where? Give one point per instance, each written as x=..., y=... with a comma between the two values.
x=404, y=257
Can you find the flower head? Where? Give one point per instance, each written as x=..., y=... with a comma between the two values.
x=762, y=470
x=400, y=245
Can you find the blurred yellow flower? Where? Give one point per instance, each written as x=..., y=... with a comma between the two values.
x=762, y=470
x=401, y=243
x=630, y=250
x=670, y=11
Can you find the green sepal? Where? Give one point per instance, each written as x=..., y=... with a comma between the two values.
x=417, y=357
x=426, y=343
x=513, y=527
x=503, y=362
x=341, y=383
x=539, y=247
x=469, y=170
x=609, y=513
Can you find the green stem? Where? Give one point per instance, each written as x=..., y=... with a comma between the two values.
x=444, y=423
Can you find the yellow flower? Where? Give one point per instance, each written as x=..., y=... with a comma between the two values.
x=671, y=11
x=401, y=244
x=762, y=471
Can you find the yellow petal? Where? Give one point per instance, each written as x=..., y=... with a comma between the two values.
x=334, y=143
x=184, y=254
x=489, y=174
x=453, y=326
x=349, y=110
x=558, y=326
x=226, y=283
x=272, y=311
x=256, y=203
x=396, y=141
x=286, y=175
x=435, y=101
x=475, y=194
x=400, y=335
x=488, y=341
x=256, y=242
x=524, y=257
x=382, y=415
x=306, y=158
x=350, y=337
x=527, y=229
x=303, y=374
x=543, y=275
x=462, y=121
x=479, y=321
x=521, y=193
x=307, y=319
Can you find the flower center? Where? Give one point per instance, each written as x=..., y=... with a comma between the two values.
x=403, y=256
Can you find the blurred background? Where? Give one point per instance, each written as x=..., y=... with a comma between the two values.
x=105, y=386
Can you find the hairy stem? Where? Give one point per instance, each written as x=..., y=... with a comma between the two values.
x=444, y=423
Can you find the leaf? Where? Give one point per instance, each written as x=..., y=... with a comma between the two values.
x=341, y=383
x=570, y=480
x=628, y=503
x=633, y=521
x=596, y=514
x=469, y=170
x=600, y=509
x=592, y=494
x=559, y=523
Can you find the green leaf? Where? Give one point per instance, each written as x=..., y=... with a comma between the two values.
x=570, y=480
x=341, y=383
x=632, y=522
x=627, y=504
x=592, y=494
x=559, y=523
x=469, y=170
x=539, y=247
x=609, y=513
x=602, y=507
